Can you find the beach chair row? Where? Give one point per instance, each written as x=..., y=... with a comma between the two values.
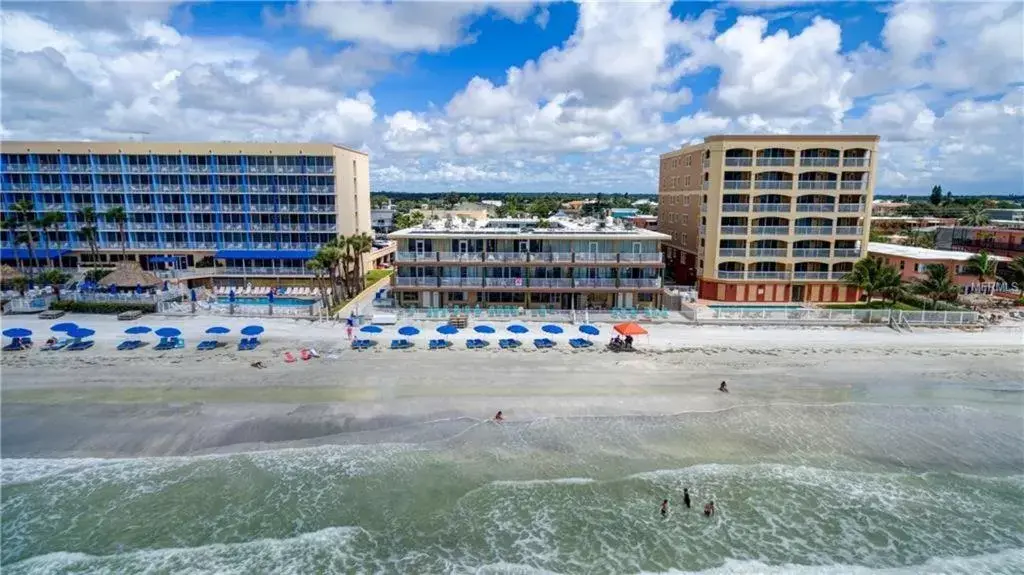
x=262, y=291
x=506, y=343
x=23, y=343
x=634, y=313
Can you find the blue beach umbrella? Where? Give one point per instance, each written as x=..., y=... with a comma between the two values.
x=218, y=330
x=80, y=332
x=448, y=330
x=17, y=332
x=551, y=328
x=516, y=328
x=137, y=330
x=63, y=327
x=168, y=332
x=483, y=329
x=408, y=330
x=370, y=329
x=589, y=330
x=252, y=330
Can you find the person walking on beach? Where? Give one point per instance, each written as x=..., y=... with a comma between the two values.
x=709, y=509
x=686, y=497
x=723, y=388
x=664, y=507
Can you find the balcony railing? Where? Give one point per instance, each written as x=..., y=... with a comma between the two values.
x=141, y=208
x=416, y=282
x=770, y=230
x=727, y=275
x=505, y=282
x=770, y=207
x=847, y=253
x=851, y=207
x=810, y=275
x=768, y=252
x=412, y=256
x=739, y=162
x=810, y=252
x=551, y=257
x=640, y=258
x=838, y=275
x=733, y=231
x=640, y=282
x=855, y=162
x=462, y=282
x=816, y=208
x=196, y=169
x=703, y=208
x=460, y=257
x=814, y=230
x=732, y=252
x=706, y=185
x=737, y=184
x=819, y=162
x=773, y=275
x=596, y=257
x=550, y=282
x=773, y=184
x=595, y=282
x=505, y=256
x=851, y=185
x=849, y=230
x=736, y=207
x=805, y=185
x=776, y=161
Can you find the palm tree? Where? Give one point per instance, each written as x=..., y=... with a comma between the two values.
x=920, y=240
x=89, y=232
x=25, y=215
x=119, y=217
x=45, y=223
x=359, y=245
x=983, y=266
x=974, y=215
x=316, y=265
x=866, y=275
x=890, y=283
x=1015, y=274
x=330, y=255
x=937, y=284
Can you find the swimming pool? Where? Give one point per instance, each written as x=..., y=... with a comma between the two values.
x=759, y=307
x=282, y=301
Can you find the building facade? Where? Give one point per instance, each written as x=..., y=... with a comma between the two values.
x=912, y=262
x=568, y=264
x=265, y=206
x=1008, y=242
x=768, y=218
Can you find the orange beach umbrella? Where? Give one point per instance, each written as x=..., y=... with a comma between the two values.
x=630, y=328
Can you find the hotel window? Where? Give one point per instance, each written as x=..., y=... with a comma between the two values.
x=903, y=264
x=686, y=198
x=687, y=184
x=689, y=160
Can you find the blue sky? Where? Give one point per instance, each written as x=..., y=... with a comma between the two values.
x=531, y=97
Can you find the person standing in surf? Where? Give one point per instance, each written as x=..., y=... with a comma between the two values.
x=709, y=509
x=498, y=417
x=664, y=507
x=686, y=497
x=723, y=388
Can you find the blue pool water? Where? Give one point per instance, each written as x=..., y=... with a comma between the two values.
x=767, y=307
x=282, y=301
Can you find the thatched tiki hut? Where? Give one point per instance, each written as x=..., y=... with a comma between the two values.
x=128, y=275
x=9, y=274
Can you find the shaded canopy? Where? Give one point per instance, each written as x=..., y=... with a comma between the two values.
x=7, y=273
x=630, y=328
x=128, y=275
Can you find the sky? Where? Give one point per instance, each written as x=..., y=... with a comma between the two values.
x=520, y=97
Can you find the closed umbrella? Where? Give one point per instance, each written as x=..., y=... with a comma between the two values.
x=192, y=294
x=231, y=296
x=270, y=296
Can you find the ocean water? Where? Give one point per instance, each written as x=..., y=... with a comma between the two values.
x=854, y=488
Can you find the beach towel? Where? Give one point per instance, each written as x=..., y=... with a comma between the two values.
x=288, y=357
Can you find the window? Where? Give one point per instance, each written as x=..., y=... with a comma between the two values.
x=686, y=198
x=919, y=268
x=689, y=160
x=687, y=184
x=903, y=264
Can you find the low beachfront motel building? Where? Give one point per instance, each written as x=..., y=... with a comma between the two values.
x=255, y=209
x=768, y=218
x=912, y=262
x=557, y=264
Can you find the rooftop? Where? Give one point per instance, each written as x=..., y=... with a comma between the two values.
x=559, y=228
x=899, y=251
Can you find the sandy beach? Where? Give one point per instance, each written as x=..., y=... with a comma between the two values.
x=106, y=403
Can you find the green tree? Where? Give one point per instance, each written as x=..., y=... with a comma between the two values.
x=890, y=283
x=936, y=197
x=647, y=209
x=937, y=285
x=25, y=219
x=871, y=276
x=974, y=215
x=330, y=256
x=409, y=220
x=358, y=246
x=53, y=276
x=89, y=232
x=1015, y=274
x=982, y=265
x=450, y=200
x=543, y=208
x=920, y=239
x=118, y=215
x=316, y=265
x=49, y=221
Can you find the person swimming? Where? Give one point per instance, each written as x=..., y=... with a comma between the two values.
x=664, y=507
x=686, y=498
x=709, y=509
x=499, y=417
x=723, y=388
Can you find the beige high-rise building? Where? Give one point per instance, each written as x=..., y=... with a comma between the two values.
x=768, y=218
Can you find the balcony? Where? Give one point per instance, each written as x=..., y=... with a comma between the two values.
x=816, y=208
x=202, y=207
x=461, y=257
x=141, y=208
x=847, y=253
x=595, y=283
x=739, y=162
x=168, y=168
x=596, y=257
x=735, y=207
x=199, y=189
x=810, y=275
x=784, y=275
x=855, y=162
x=416, y=282
x=172, y=207
x=706, y=163
x=550, y=282
x=851, y=208
x=770, y=230
x=409, y=256
x=647, y=283
x=814, y=230
x=851, y=186
x=733, y=231
x=261, y=207
x=732, y=252
x=773, y=184
x=196, y=169
x=838, y=275
x=505, y=257
x=653, y=258
x=819, y=162
x=706, y=185
x=816, y=185
x=138, y=169
x=725, y=275
x=776, y=162
x=770, y=207
x=737, y=184
x=849, y=230
x=551, y=257
x=505, y=282
x=462, y=282
x=109, y=168
x=703, y=208
x=12, y=167
x=810, y=253
x=768, y=253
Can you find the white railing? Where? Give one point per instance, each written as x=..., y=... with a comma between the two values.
x=28, y=304
x=640, y=282
x=732, y=252
x=816, y=185
x=733, y=231
x=640, y=258
x=818, y=208
x=855, y=162
x=739, y=162
x=737, y=184
x=550, y=282
x=786, y=315
x=773, y=184
x=770, y=230
x=595, y=282
x=416, y=282
x=776, y=161
x=847, y=253
x=814, y=230
x=851, y=207
x=414, y=256
x=774, y=275
x=552, y=257
x=768, y=253
x=727, y=275
x=735, y=207
x=462, y=282
x=819, y=162
x=849, y=230
x=460, y=257
x=810, y=253
x=770, y=207
x=505, y=282
x=810, y=275
x=594, y=257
